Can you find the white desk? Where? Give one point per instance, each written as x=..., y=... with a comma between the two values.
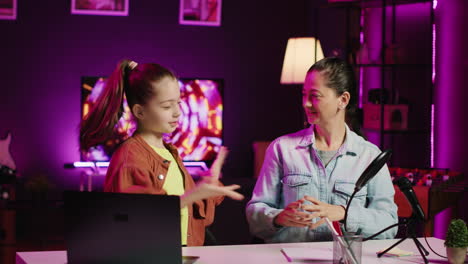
x=266, y=253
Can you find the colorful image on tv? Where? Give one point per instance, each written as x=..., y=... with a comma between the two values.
x=199, y=134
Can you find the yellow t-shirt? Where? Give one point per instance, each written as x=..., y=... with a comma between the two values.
x=174, y=185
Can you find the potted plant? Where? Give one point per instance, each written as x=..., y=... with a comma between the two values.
x=456, y=241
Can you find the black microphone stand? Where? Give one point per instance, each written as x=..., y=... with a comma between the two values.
x=410, y=225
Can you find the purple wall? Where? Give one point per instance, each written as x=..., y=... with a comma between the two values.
x=46, y=51
x=451, y=129
x=451, y=93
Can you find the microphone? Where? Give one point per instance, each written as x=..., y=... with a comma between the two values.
x=368, y=174
x=405, y=187
x=372, y=169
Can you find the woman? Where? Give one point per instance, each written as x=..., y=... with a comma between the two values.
x=309, y=175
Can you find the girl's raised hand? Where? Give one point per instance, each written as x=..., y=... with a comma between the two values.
x=206, y=190
x=214, y=174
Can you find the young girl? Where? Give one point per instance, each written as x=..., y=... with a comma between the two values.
x=144, y=163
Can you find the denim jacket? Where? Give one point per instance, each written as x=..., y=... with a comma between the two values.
x=292, y=169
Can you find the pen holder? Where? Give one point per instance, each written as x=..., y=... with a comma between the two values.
x=347, y=249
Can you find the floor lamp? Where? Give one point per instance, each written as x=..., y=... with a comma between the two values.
x=301, y=53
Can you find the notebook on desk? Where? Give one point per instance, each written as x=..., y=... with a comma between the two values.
x=122, y=228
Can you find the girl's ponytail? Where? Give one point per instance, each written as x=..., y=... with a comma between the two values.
x=98, y=125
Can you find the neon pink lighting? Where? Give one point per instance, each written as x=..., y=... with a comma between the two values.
x=433, y=52
x=433, y=82
x=361, y=33
x=200, y=164
x=432, y=136
x=105, y=164
x=90, y=164
x=361, y=70
x=361, y=76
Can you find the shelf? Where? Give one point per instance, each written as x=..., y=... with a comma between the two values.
x=409, y=65
x=403, y=70
x=373, y=3
x=408, y=131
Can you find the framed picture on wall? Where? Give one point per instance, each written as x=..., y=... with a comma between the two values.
x=100, y=7
x=200, y=12
x=8, y=9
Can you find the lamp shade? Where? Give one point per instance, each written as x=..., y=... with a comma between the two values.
x=301, y=53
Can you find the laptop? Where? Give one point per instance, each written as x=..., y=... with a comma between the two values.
x=121, y=228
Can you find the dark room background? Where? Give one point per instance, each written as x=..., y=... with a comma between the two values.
x=47, y=50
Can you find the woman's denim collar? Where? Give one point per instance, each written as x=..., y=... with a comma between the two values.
x=308, y=139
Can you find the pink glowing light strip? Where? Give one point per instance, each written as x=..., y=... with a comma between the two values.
x=102, y=164
x=434, y=6
x=432, y=136
x=90, y=164
x=361, y=70
x=433, y=52
x=200, y=164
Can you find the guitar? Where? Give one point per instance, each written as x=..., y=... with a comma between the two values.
x=7, y=164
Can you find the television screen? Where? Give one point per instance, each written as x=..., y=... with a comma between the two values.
x=199, y=134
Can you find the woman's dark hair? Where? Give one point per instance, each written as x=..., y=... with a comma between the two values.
x=341, y=78
x=135, y=83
